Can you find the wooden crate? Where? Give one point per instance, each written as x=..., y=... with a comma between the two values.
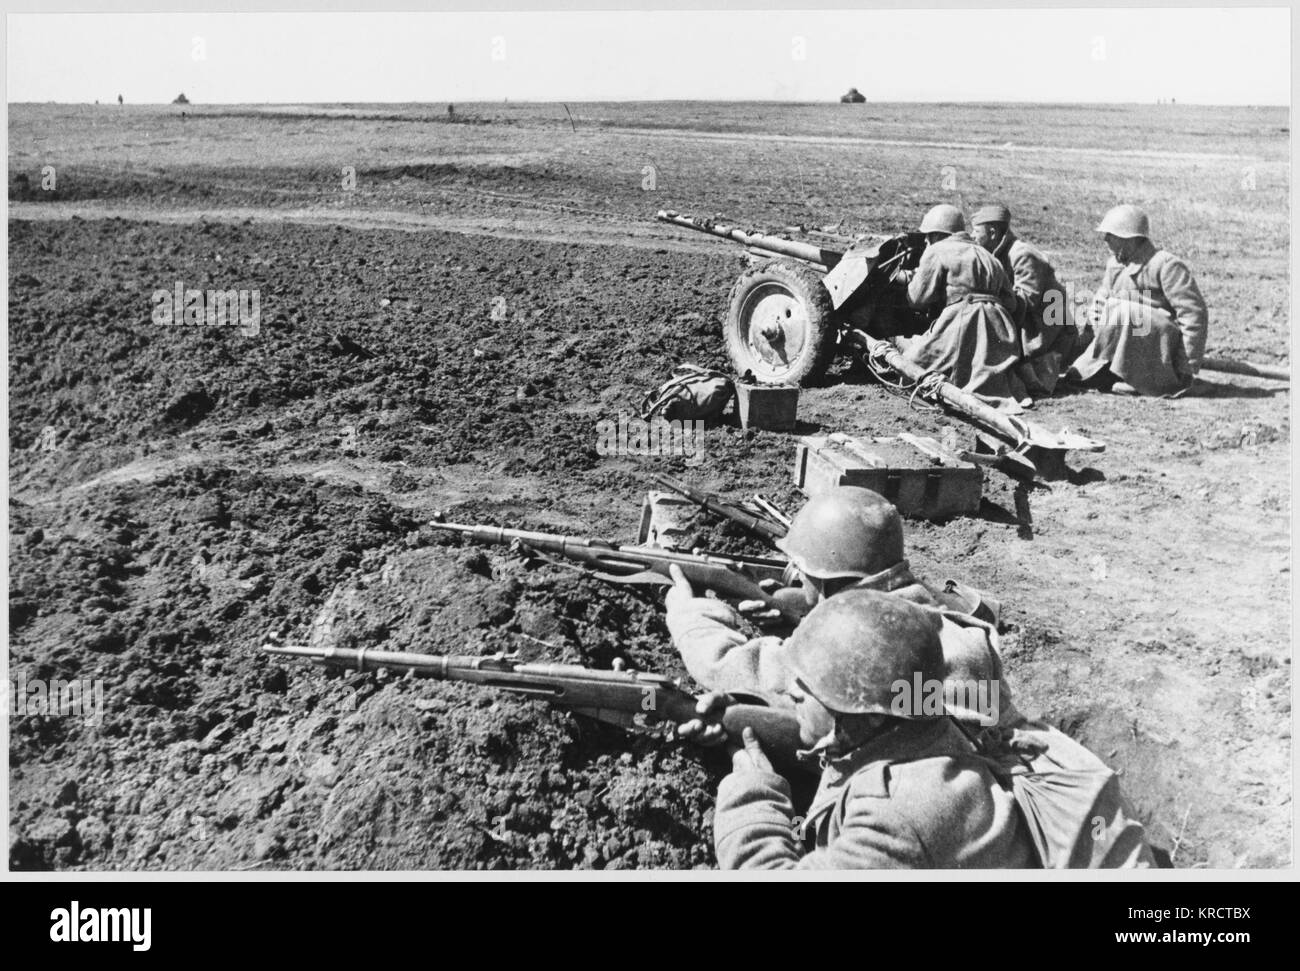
x=918, y=475
x=665, y=520
x=770, y=407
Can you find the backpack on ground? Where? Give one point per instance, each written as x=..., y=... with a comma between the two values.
x=693, y=393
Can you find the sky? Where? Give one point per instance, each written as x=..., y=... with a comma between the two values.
x=1200, y=56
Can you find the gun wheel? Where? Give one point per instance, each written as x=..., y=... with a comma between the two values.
x=780, y=324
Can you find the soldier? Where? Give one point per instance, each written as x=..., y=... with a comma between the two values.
x=901, y=785
x=1149, y=315
x=974, y=340
x=1046, y=346
x=850, y=538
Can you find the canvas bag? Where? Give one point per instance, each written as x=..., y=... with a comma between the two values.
x=1069, y=799
x=693, y=393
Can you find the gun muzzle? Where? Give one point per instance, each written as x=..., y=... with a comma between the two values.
x=452, y=527
x=334, y=656
x=295, y=651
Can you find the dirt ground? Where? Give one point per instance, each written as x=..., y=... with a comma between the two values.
x=445, y=336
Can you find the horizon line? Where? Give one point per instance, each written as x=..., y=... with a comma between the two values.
x=615, y=101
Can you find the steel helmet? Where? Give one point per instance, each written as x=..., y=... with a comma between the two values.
x=943, y=219
x=853, y=649
x=1125, y=222
x=849, y=532
x=996, y=213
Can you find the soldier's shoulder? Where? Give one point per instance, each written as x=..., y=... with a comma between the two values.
x=1022, y=250
x=950, y=779
x=937, y=776
x=924, y=757
x=877, y=773
x=968, y=249
x=1165, y=260
x=949, y=244
x=871, y=781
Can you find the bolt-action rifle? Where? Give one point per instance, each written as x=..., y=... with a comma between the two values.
x=634, y=701
x=732, y=577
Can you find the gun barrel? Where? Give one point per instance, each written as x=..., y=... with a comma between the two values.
x=773, y=244
x=293, y=651
x=493, y=670
x=363, y=659
x=500, y=536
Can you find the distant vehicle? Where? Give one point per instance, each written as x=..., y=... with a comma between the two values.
x=853, y=97
x=181, y=99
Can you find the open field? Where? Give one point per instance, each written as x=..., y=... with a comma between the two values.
x=201, y=487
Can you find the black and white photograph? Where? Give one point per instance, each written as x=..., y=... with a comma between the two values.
x=656, y=438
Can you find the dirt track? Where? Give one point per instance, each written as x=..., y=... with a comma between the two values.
x=203, y=488
x=543, y=227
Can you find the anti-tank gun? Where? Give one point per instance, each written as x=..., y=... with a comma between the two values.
x=789, y=311
x=803, y=301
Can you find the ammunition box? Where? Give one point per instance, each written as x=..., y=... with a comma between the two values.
x=665, y=520
x=771, y=407
x=918, y=475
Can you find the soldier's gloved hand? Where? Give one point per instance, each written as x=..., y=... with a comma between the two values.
x=707, y=729
x=902, y=276
x=750, y=756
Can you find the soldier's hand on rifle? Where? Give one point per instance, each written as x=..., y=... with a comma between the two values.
x=791, y=602
x=757, y=612
x=707, y=729
x=750, y=756
x=760, y=614
x=681, y=590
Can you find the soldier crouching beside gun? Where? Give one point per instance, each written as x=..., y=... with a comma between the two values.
x=1149, y=316
x=974, y=342
x=847, y=539
x=901, y=786
x=1046, y=345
